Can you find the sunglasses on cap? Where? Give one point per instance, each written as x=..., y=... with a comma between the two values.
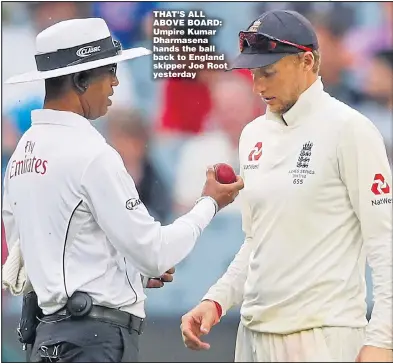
x=264, y=43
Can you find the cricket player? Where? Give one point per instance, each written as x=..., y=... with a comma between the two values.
x=316, y=204
x=85, y=236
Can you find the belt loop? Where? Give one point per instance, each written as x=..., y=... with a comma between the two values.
x=141, y=326
x=130, y=324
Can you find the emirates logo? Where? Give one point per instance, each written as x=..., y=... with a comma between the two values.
x=380, y=186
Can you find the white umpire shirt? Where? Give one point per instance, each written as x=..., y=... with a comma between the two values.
x=317, y=200
x=81, y=224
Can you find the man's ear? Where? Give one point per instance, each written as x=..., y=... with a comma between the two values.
x=81, y=82
x=308, y=61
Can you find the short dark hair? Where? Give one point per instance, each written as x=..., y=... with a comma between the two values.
x=57, y=87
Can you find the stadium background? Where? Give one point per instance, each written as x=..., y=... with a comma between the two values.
x=169, y=130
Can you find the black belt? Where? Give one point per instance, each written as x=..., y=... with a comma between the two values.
x=105, y=314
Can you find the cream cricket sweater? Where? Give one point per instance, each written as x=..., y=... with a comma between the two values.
x=317, y=201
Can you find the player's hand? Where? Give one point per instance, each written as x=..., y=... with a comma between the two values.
x=374, y=354
x=197, y=323
x=155, y=283
x=223, y=194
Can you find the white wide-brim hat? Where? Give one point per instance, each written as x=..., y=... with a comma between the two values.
x=73, y=46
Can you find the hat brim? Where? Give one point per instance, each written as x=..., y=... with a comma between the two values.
x=126, y=54
x=251, y=61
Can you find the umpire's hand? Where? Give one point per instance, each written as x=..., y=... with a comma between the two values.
x=223, y=194
x=155, y=283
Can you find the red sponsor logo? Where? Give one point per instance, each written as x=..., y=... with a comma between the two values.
x=256, y=152
x=380, y=186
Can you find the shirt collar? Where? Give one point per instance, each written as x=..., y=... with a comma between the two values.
x=53, y=117
x=306, y=100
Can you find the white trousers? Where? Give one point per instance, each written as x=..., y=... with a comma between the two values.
x=328, y=344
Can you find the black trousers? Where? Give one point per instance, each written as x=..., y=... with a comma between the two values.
x=86, y=340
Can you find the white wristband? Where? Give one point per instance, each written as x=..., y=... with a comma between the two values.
x=212, y=199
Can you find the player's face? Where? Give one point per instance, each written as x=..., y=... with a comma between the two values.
x=280, y=84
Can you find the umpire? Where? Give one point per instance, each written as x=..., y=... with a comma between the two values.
x=86, y=238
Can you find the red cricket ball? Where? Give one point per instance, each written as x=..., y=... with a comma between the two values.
x=224, y=173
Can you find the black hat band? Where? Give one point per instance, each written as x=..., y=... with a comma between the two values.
x=100, y=49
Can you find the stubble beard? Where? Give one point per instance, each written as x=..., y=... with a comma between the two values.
x=284, y=108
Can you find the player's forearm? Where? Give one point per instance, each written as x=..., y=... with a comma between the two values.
x=229, y=289
x=380, y=328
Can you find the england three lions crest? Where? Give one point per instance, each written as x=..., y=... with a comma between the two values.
x=305, y=155
x=302, y=170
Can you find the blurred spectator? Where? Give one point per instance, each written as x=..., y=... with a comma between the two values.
x=365, y=40
x=233, y=106
x=342, y=10
x=336, y=60
x=128, y=132
x=378, y=87
x=338, y=12
x=4, y=248
x=186, y=104
x=130, y=22
x=45, y=13
x=9, y=138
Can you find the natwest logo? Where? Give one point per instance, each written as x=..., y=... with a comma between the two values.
x=86, y=51
x=256, y=152
x=381, y=201
x=380, y=186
